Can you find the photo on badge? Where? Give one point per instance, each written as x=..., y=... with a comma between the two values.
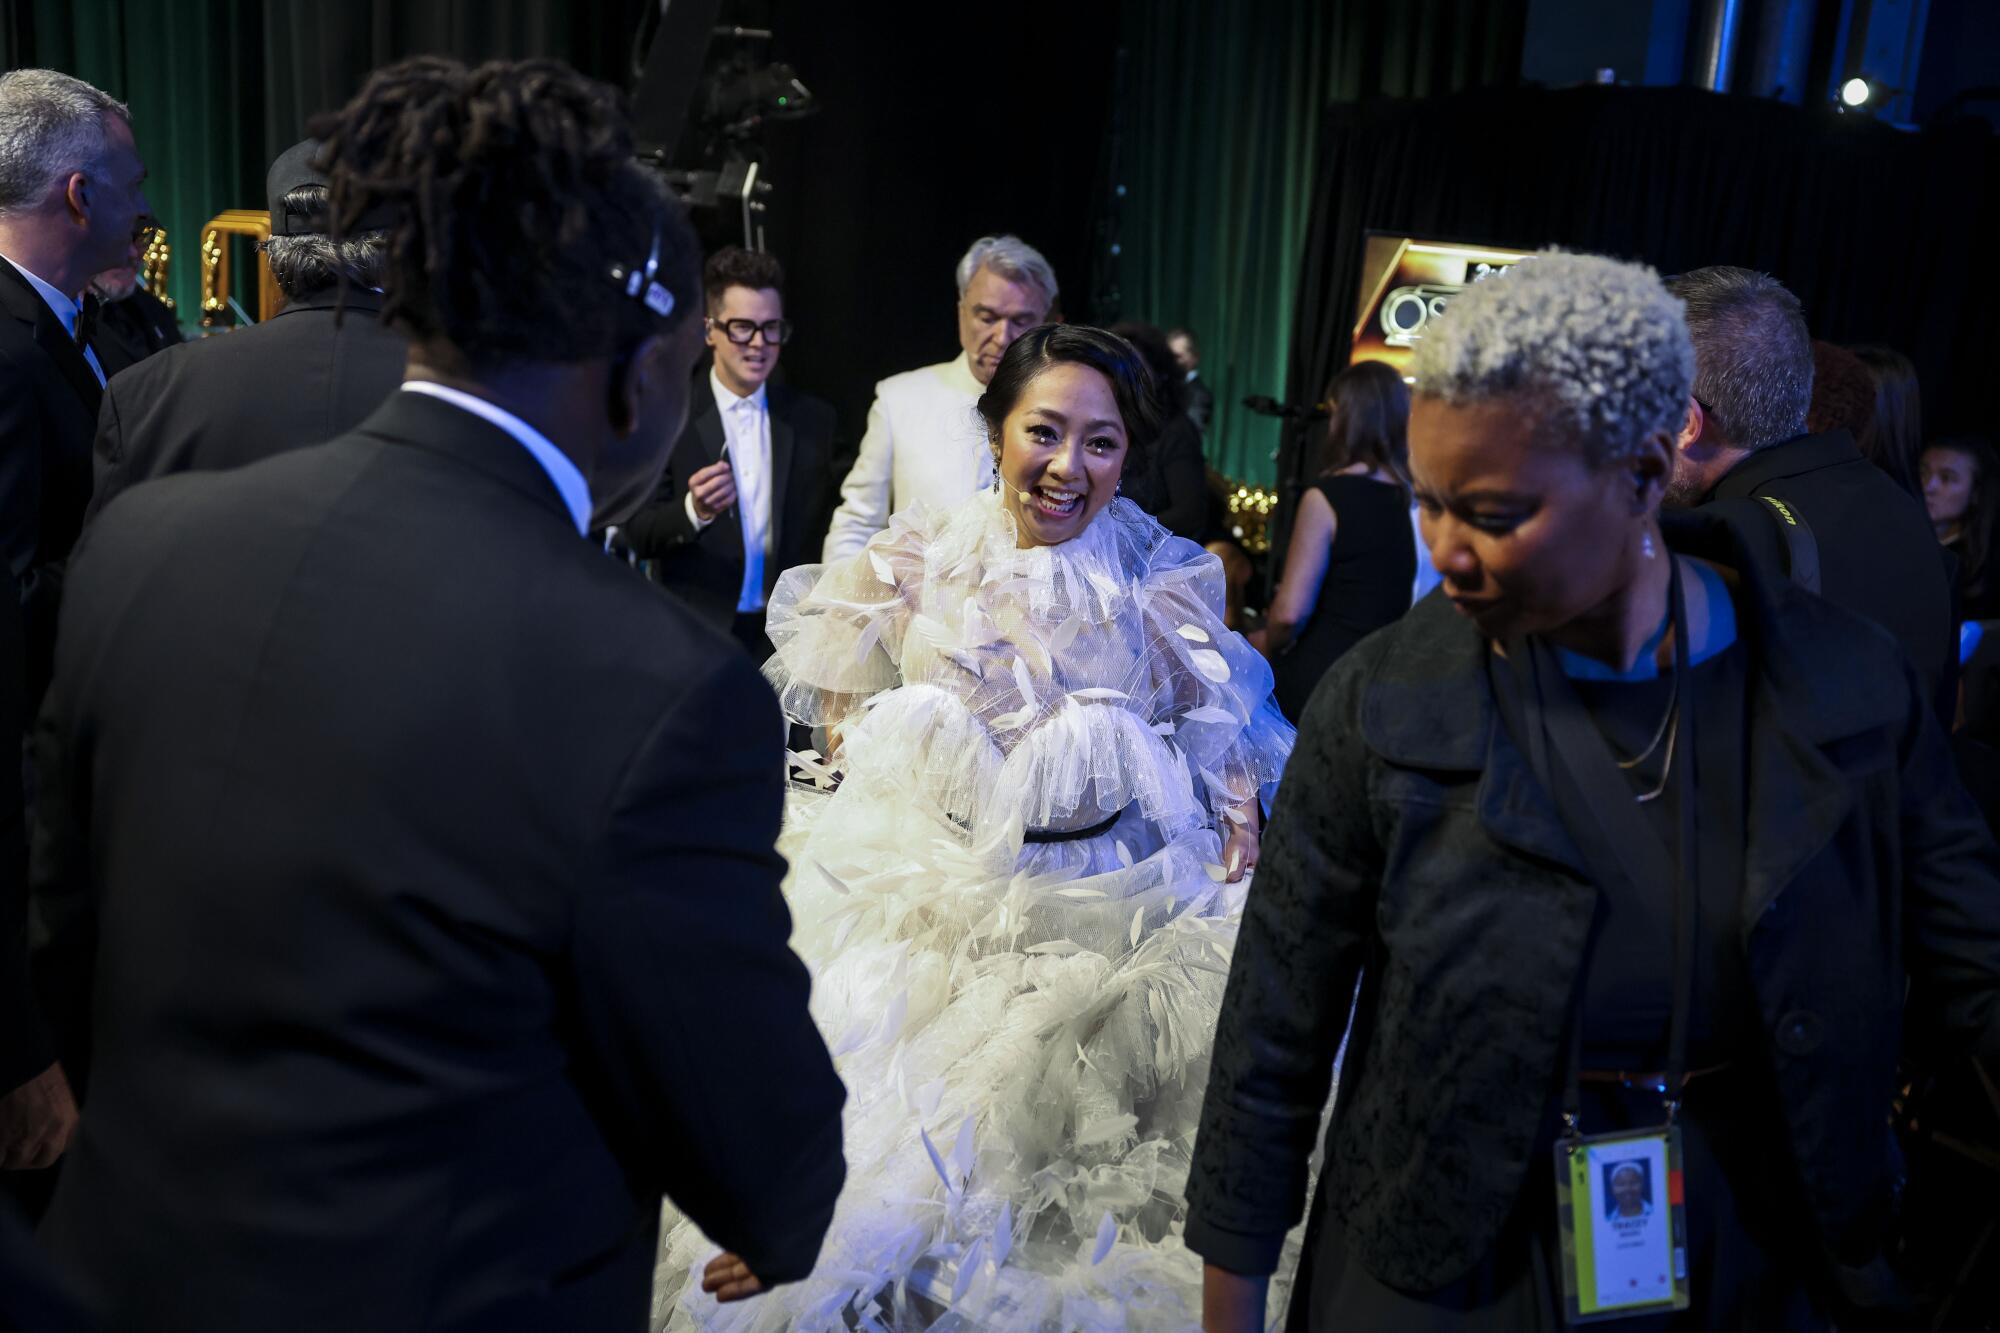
x=1629, y=1187
x=1632, y=1235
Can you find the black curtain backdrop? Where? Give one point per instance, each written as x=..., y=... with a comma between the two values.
x=316, y=54
x=940, y=124
x=1885, y=236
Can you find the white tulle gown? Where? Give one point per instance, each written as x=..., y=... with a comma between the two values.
x=1023, y=1025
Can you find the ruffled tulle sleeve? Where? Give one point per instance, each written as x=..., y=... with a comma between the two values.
x=1205, y=682
x=838, y=629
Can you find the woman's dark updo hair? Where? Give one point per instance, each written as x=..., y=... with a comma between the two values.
x=517, y=191
x=1079, y=344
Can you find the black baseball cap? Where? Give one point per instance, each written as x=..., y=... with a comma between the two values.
x=296, y=166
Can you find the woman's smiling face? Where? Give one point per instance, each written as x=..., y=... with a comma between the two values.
x=1062, y=451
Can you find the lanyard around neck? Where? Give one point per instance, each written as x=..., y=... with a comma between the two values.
x=1559, y=730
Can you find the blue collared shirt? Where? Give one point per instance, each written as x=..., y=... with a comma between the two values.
x=66, y=311
x=568, y=479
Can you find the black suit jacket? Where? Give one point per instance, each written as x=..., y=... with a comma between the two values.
x=1878, y=554
x=131, y=330
x=1200, y=403
x=234, y=398
x=48, y=402
x=418, y=861
x=1173, y=484
x=705, y=566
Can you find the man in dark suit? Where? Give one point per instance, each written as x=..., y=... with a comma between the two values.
x=310, y=372
x=72, y=203
x=756, y=455
x=1199, y=397
x=132, y=323
x=416, y=858
x=1744, y=444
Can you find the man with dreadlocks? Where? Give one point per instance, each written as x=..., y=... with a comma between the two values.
x=418, y=857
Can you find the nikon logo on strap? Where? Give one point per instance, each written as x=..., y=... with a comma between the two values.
x=1801, y=547
x=1784, y=510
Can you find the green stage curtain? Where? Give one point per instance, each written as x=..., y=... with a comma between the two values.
x=1216, y=146
x=219, y=87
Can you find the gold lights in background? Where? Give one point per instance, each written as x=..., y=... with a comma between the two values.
x=155, y=264
x=1250, y=510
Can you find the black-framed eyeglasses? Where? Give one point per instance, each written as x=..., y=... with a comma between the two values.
x=777, y=332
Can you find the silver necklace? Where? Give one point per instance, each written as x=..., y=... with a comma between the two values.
x=1673, y=710
x=1673, y=734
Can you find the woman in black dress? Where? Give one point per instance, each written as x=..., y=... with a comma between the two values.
x=1625, y=832
x=1352, y=561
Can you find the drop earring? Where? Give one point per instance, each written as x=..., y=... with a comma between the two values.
x=1646, y=544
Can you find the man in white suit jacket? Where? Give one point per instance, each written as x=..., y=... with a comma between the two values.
x=924, y=440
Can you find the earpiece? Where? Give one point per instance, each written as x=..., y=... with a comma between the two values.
x=616, y=389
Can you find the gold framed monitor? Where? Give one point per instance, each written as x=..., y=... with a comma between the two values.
x=1406, y=282
x=217, y=270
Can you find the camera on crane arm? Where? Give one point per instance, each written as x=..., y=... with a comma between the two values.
x=704, y=96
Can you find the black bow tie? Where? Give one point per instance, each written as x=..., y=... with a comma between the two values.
x=86, y=321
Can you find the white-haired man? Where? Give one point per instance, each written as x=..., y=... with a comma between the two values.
x=924, y=441
x=72, y=204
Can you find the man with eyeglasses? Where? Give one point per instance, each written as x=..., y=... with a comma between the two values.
x=749, y=488
x=924, y=443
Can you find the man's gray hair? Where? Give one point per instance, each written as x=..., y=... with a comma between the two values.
x=1013, y=259
x=1598, y=345
x=1753, y=354
x=50, y=125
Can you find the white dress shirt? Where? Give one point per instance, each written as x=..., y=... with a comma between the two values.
x=924, y=443
x=746, y=433
x=66, y=311
x=568, y=479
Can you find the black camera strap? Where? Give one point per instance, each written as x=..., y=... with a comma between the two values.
x=1618, y=843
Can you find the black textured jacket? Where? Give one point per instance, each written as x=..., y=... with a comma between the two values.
x=1412, y=845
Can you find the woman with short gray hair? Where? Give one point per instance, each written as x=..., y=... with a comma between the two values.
x=1635, y=851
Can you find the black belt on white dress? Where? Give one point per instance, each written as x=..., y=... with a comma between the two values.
x=1070, y=834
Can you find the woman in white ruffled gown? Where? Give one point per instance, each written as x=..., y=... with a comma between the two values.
x=1019, y=898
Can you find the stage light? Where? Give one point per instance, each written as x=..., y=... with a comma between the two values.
x=1856, y=92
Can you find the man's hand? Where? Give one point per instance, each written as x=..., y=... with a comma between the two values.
x=713, y=489
x=728, y=1278
x=36, y=1121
